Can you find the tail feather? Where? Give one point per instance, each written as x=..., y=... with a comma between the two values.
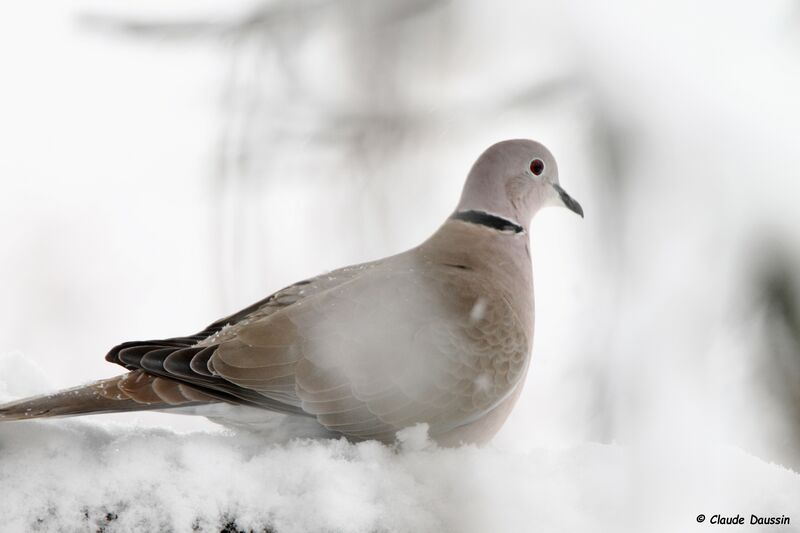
x=134, y=391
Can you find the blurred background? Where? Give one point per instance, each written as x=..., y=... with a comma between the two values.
x=166, y=163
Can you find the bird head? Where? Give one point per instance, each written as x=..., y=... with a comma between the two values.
x=514, y=179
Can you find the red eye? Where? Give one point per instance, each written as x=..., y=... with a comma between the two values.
x=537, y=166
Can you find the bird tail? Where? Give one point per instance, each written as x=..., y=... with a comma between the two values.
x=134, y=391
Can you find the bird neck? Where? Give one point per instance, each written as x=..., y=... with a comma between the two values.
x=482, y=218
x=486, y=246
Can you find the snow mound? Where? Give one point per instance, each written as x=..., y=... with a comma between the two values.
x=88, y=474
x=78, y=475
x=20, y=376
x=74, y=475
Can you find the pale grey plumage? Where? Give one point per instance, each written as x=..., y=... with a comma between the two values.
x=440, y=334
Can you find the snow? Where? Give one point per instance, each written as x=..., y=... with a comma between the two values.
x=478, y=310
x=88, y=474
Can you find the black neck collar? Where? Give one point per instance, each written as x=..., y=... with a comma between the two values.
x=483, y=218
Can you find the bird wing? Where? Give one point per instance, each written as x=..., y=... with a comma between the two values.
x=366, y=351
x=400, y=344
x=181, y=362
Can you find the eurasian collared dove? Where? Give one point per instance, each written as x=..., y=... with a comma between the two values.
x=440, y=334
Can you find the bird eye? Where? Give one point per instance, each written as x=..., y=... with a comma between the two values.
x=537, y=166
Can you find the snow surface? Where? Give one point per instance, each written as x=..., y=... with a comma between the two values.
x=86, y=475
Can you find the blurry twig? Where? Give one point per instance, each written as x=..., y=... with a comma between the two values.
x=779, y=287
x=263, y=17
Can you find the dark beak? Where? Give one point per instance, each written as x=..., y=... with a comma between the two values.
x=569, y=202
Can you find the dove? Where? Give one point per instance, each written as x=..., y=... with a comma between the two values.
x=440, y=334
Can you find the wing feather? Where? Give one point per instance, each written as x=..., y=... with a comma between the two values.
x=384, y=350
x=366, y=350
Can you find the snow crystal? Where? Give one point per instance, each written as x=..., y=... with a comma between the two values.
x=415, y=438
x=483, y=382
x=478, y=310
x=32, y=379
